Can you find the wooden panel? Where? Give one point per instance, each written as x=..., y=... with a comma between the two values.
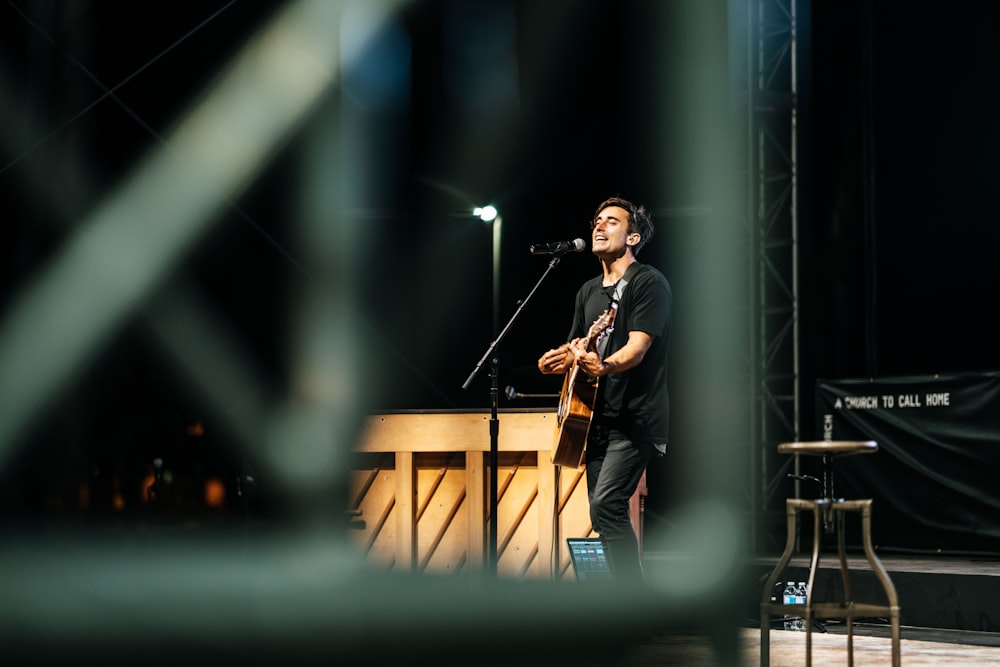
x=477, y=493
x=574, y=514
x=373, y=490
x=442, y=524
x=548, y=527
x=406, y=495
x=421, y=484
x=517, y=509
x=457, y=432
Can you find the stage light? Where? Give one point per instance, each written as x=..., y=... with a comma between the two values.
x=485, y=213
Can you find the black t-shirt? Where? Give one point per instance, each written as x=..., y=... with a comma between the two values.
x=637, y=401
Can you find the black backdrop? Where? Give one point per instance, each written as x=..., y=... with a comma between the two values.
x=934, y=478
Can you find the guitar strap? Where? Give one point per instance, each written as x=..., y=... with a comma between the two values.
x=616, y=297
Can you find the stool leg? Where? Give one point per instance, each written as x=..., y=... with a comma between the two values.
x=883, y=577
x=813, y=563
x=845, y=580
x=765, y=598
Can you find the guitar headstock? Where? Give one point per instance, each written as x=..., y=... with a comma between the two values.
x=602, y=323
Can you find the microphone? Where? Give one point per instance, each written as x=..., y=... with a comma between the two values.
x=512, y=393
x=558, y=247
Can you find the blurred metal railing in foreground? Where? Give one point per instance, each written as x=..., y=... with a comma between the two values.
x=299, y=590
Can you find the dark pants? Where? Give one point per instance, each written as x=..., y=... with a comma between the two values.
x=614, y=467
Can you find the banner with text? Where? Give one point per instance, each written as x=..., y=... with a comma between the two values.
x=934, y=479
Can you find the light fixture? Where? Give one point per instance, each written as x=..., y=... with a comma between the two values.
x=485, y=213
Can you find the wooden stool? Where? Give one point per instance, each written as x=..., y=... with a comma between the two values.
x=828, y=511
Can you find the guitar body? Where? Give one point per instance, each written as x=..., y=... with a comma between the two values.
x=576, y=409
x=576, y=404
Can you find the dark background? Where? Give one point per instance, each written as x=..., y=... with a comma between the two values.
x=905, y=131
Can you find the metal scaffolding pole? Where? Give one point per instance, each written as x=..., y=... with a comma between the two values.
x=765, y=33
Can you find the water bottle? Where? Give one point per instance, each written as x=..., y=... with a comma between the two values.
x=799, y=622
x=801, y=593
x=790, y=596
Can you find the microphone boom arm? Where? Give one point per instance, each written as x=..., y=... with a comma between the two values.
x=520, y=306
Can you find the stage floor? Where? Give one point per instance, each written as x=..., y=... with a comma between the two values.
x=919, y=647
x=979, y=565
x=950, y=595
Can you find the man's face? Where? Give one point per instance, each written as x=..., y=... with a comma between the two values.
x=609, y=237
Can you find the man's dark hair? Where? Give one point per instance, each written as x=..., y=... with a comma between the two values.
x=639, y=221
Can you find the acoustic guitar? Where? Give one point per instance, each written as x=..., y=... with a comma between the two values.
x=576, y=402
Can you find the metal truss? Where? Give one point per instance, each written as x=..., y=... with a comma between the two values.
x=764, y=37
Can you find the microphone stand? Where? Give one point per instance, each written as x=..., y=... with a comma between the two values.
x=494, y=418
